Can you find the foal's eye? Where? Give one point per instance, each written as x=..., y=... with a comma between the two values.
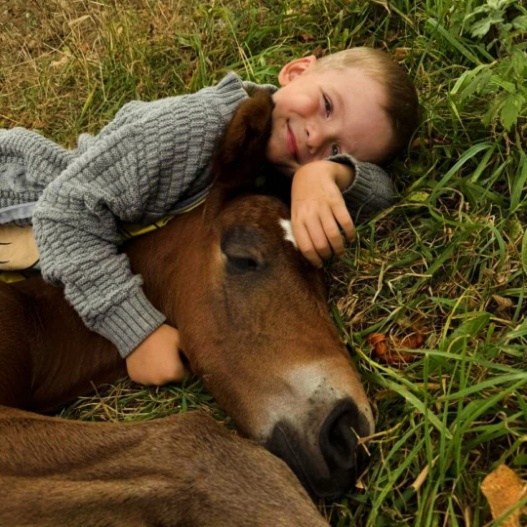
x=242, y=264
x=241, y=246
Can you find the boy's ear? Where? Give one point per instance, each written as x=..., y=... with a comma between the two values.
x=295, y=68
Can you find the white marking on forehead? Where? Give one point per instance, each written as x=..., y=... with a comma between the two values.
x=288, y=230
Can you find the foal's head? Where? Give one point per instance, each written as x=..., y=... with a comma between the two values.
x=254, y=321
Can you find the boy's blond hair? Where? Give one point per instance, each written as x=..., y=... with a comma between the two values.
x=402, y=107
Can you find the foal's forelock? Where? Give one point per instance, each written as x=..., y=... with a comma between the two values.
x=288, y=231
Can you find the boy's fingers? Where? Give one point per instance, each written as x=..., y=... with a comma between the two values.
x=305, y=245
x=343, y=218
x=333, y=236
x=318, y=235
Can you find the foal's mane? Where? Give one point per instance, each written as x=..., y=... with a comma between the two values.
x=239, y=161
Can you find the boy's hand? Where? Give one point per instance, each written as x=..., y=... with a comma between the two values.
x=156, y=360
x=318, y=209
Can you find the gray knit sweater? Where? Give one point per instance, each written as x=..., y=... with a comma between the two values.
x=152, y=159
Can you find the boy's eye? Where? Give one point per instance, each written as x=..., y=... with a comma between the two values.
x=335, y=150
x=327, y=106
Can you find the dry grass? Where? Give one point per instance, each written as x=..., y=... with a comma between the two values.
x=67, y=66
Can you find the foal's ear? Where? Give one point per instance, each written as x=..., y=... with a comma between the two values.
x=239, y=156
x=245, y=137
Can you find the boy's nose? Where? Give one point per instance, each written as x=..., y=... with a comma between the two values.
x=314, y=142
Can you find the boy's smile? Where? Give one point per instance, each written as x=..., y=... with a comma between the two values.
x=324, y=112
x=291, y=143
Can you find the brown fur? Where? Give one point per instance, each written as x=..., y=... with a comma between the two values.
x=181, y=471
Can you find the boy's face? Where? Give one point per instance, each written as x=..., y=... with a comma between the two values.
x=322, y=112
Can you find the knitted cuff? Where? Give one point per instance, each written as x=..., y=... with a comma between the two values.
x=371, y=186
x=128, y=324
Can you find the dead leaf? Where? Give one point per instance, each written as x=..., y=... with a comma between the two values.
x=504, y=489
x=390, y=349
x=411, y=342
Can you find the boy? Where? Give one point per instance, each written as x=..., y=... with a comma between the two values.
x=153, y=159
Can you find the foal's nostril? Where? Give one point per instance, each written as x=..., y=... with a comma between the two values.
x=339, y=436
x=342, y=443
x=329, y=467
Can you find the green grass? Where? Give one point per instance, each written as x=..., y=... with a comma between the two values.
x=448, y=261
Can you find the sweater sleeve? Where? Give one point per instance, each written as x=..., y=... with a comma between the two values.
x=371, y=190
x=76, y=232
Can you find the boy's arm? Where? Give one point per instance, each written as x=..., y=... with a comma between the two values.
x=143, y=162
x=370, y=190
x=323, y=195
x=76, y=232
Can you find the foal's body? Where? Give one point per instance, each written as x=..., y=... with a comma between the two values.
x=181, y=471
